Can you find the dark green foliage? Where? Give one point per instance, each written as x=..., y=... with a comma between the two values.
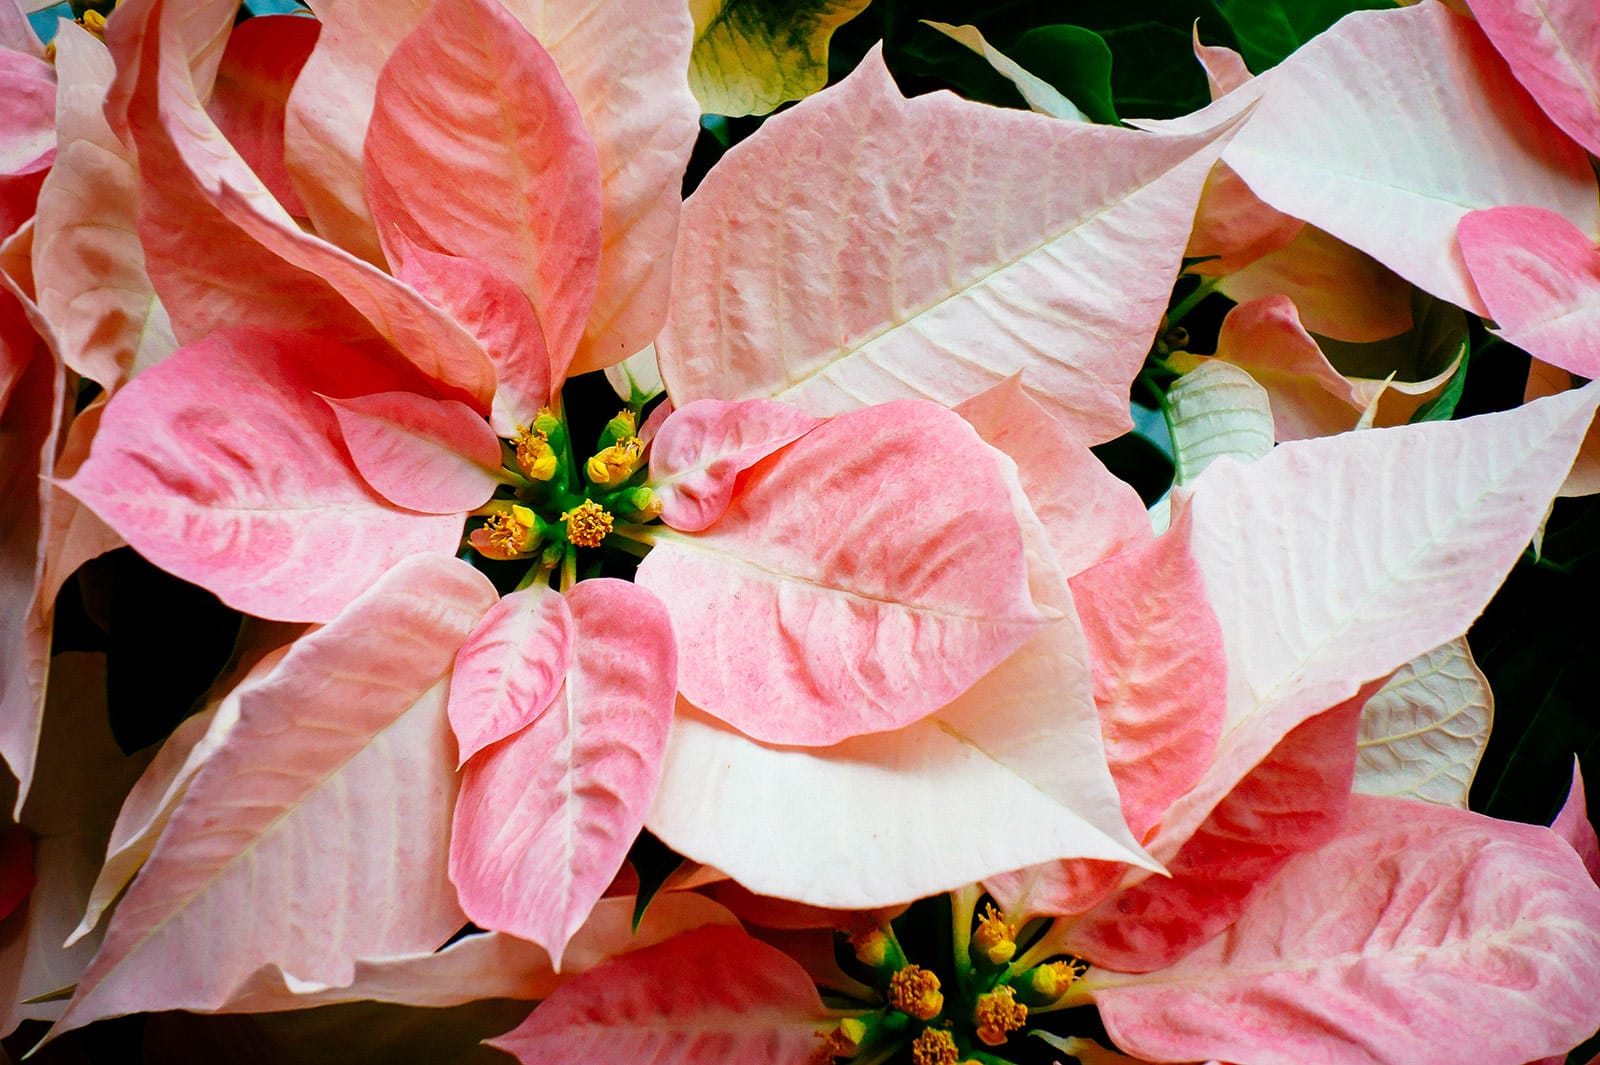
x=1268, y=30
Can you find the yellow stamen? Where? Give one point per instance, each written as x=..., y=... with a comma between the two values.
x=588, y=524
x=995, y=939
x=914, y=991
x=871, y=946
x=934, y=1047
x=842, y=1042
x=616, y=463
x=1049, y=982
x=623, y=425
x=535, y=455
x=507, y=534
x=998, y=1014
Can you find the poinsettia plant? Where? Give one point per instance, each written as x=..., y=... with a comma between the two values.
x=814, y=685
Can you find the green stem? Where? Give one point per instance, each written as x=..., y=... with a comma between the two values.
x=1206, y=286
x=639, y=534
x=623, y=543
x=569, y=569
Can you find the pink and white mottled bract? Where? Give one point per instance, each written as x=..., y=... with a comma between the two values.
x=852, y=585
x=546, y=815
x=1539, y=275
x=1553, y=49
x=1418, y=935
x=713, y=995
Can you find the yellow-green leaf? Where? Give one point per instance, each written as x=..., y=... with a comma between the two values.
x=752, y=55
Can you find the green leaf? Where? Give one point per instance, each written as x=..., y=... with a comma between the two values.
x=1076, y=61
x=1268, y=30
x=752, y=55
x=653, y=861
x=1443, y=406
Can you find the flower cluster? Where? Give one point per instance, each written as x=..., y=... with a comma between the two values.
x=820, y=695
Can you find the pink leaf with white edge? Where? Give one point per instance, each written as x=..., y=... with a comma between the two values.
x=1339, y=291
x=1012, y=773
x=799, y=275
x=704, y=446
x=258, y=69
x=1420, y=935
x=1053, y=888
x=434, y=456
x=223, y=252
x=1159, y=671
x=324, y=814
x=88, y=265
x=510, y=668
x=1333, y=562
x=1539, y=275
x=489, y=964
x=1424, y=166
x=1088, y=513
x=154, y=796
x=223, y=466
x=1309, y=396
x=642, y=117
x=477, y=149
x=498, y=315
x=712, y=995
x=27, y=113
x=1553, y=49
x=1291, y=802
x=854, y=584
x=547, y=815
x=16, y=33
x=1572, y=824
x=1225, y=69
x=1232, y=227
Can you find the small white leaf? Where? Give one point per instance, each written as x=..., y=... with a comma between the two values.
x=1424, y=732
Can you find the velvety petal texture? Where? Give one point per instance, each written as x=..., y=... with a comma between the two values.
x=834, y=598
x=801, y=275
x=1573, y=825
x=1160, y=672
x=1010, y=774
x=1540, y=276
x=1423, y=165
x=428, y=455
x=641, y=115
x=510, y=668
x=703, y=448
x=1419, y=936
x=257, y=70
x=547, y=815
x=1309, y=396
x=1553, y=49
x=497, y=313
x=223, y=252
x=477, y=149
x=224, y=466
x=88, y=265
x=710, y=995
x=1331, y=562
x=324, y=814
x=1087, y=512
x=1292, y=801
